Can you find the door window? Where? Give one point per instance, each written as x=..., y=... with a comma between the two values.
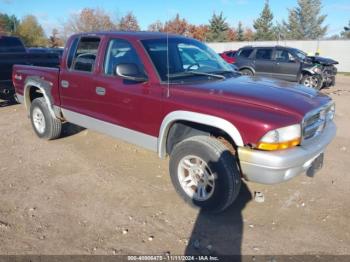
x=120, y=52
x=284, y=56
x=85, y=55
x=264, y=53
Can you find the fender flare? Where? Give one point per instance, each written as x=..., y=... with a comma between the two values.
x=45, y=87
x=199, y=118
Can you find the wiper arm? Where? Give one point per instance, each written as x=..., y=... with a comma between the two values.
x=189, y=73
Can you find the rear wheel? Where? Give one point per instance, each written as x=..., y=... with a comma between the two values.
x=246, y=72
x=205, y=173
x=44, y=125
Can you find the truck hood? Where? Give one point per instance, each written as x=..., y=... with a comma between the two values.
x=322, y=60
x=262, y=92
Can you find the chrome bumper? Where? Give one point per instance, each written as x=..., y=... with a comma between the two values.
x=269, y=167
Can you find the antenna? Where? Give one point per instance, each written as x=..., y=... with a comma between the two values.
x=167, y=60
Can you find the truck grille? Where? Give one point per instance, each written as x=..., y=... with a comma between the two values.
x=315, y=121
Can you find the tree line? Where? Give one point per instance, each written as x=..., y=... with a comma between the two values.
x=305, y=21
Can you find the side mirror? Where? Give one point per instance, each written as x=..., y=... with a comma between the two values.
x=131, y=72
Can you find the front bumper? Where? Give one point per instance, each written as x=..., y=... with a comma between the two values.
x=272, y=167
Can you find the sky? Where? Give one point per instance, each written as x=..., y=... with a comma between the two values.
x=53, y=13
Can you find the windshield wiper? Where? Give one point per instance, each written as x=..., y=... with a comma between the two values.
x=190, y=73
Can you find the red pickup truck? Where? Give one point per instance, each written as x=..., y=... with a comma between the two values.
x=175, y=96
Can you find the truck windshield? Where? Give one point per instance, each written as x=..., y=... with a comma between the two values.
x=185, y=59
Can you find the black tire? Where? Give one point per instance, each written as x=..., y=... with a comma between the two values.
x=313, y=81
x=219, y=161
x=246, y=72
x=52, y=126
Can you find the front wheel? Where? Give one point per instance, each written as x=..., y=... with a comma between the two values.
x=313, y=81
x=44, y=125
x=205, y=173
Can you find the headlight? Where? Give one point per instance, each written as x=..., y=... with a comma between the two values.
x=281, y=138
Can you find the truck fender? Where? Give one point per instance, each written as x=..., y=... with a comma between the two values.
x=45, y=88
x=198, y=118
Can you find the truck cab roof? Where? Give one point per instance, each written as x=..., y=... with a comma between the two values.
x=138, y=35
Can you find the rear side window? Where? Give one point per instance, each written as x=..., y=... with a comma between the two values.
x=85, y=55
x=11, y=44
x=120, y=52
x=264, y=53
x=245, y=52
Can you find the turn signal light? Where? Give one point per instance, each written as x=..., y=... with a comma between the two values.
x=278, y=146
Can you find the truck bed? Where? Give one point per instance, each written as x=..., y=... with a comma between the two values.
x=49, y=74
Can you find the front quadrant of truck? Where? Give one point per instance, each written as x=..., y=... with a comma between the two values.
x=175, y=96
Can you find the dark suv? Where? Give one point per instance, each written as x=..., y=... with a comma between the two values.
x=287, y=63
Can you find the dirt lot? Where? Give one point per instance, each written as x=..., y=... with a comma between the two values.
x=87, y=193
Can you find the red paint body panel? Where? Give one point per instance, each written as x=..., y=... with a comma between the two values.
x=47, y=73
x=254, y=106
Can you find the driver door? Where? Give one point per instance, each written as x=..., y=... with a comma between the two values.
x=126, y=103
x=287, y=66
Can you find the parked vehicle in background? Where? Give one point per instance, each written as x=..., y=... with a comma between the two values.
x=229, y=56
x=12, y=51
x=176, y=96
x=36, y=50
x=287, y=63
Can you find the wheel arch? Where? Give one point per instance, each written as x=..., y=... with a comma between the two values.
x=196, y=118
x=44, y=87
x=247, y=67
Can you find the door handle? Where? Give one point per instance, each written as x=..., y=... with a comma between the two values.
x=64, y=83
x=101, y=91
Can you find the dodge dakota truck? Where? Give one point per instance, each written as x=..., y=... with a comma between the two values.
x=177, y=97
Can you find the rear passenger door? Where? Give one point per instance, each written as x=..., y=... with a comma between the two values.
x=264, y=65
x=76, y=77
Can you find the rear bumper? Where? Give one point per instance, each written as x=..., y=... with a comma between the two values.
x=268, y=167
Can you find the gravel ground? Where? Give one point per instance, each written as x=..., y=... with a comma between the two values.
x=87, y=193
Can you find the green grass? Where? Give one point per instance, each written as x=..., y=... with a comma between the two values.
x=344, y=73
